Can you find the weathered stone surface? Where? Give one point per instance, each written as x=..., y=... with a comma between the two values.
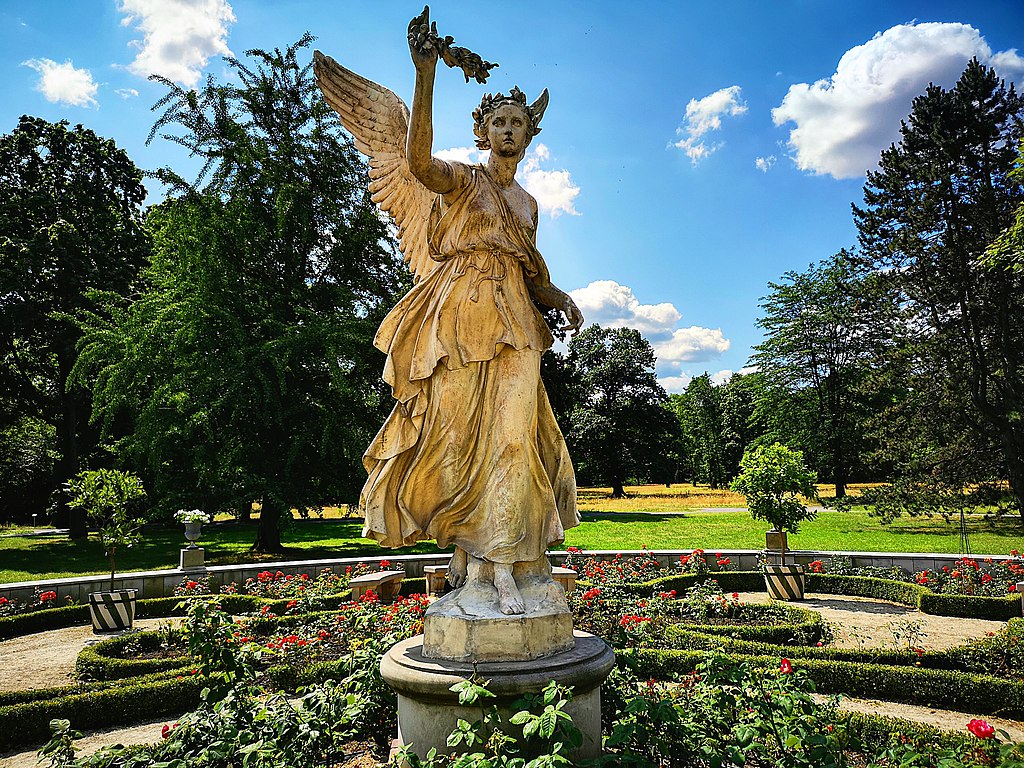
x=192, y=559
x=468, y=624
x=428, y=710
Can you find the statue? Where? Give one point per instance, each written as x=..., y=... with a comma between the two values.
x=471, y=455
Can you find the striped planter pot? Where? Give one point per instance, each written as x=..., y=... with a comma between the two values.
x=785, y=582
x=112, y=611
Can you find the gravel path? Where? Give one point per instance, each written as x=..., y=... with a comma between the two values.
x=47, y=659
x=860, y=622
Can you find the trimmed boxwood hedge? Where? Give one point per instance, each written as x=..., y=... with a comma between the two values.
x=105, y=660
x=950, y=689
x=132, y=702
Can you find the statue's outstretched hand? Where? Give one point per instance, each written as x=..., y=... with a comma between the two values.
x=423, y=41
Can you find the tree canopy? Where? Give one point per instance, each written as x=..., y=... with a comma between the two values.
x=70, y=223
x=246, y=370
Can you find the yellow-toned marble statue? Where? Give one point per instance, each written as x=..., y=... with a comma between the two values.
x=471, y=454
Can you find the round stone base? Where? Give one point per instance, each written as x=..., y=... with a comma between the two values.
x=428, y=711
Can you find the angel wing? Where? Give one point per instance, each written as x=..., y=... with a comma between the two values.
x=379, y=121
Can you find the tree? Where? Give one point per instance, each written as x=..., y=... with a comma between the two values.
x=70, y=222
x=699, y=411
x=938, y=200
x=820, y=336
x=619, y=425
x=247, y=369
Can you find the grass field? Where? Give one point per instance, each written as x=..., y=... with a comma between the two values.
x=653, y=516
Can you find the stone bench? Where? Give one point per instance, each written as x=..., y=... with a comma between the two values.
x=566, y=577
x=385, y=584
x=435, y=576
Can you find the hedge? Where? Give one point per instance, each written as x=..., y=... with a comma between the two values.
x=949, y=689
x=7, y=698
x=105, y=660
x=137, y=701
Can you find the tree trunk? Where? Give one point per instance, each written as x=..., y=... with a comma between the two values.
x=1015, y=470
x=245, y=512
x=618, y=492
x=268, y=532
x=67, y=446
x=839, y=472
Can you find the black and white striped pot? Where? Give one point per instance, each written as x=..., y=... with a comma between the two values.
x=112, y=611
x=785, y=582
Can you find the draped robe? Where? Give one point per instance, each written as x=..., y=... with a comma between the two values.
x=471, y=455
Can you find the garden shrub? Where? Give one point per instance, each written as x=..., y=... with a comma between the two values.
x=106, y=660
x=970, y=606
x=927, y=687
x=133, y=702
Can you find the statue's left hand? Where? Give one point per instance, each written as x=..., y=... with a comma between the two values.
x=573, y=316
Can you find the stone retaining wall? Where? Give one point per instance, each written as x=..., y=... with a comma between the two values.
x=162, y=583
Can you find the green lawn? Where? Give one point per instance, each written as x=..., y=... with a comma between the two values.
x=37, y=558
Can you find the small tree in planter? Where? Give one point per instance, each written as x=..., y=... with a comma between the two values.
x=772, y=478
x=106, y=495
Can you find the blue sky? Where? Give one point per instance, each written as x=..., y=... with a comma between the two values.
x=691, y=152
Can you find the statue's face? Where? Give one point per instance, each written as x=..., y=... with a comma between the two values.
x=508, y=130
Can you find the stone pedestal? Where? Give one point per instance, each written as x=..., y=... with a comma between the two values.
x=467, y=625
x=428, y=710
x=193, y=559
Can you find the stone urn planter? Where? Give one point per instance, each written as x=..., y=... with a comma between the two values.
x=112, y=611
x=193, y=532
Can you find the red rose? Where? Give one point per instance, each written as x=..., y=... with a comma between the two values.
x=785, y=667
x=981, y=729
x=385, y=563
x=1012, y=588
x=165, y=731
x=3, y=601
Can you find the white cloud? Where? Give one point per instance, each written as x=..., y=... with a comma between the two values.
x=705, y=115
x=64, y=83
x=612, y=305
x=179, y=36
x=764, y=164
x=126, y=93
x=554, y=191
x=692, y=344
x=844, y=121
x=675, y=385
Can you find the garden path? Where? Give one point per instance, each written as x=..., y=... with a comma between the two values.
x=861, y=622
x=47, y=659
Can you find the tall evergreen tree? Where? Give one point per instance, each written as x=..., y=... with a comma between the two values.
x=247, y=370
x=939, y=198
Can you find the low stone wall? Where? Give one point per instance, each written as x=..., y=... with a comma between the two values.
x=162, y=583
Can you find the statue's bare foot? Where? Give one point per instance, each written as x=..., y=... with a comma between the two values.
x=457, y=568
x=509, y=599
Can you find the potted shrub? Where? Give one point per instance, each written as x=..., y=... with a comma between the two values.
x=106, y=496
x=193, y=520
x=772, y=479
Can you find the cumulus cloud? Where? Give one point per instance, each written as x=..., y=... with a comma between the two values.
x=179, y=36
x=720, y=377
x=612, y=305
x=675, y=385
x=764, y=164
x=554, y=191
x=127, y=93
x=844, y=121
x=64, y=83
x=705, y=115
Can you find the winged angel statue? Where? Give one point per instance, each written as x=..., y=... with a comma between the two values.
x=471, y=455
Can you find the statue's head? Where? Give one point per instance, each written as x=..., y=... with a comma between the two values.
x=514, y=115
